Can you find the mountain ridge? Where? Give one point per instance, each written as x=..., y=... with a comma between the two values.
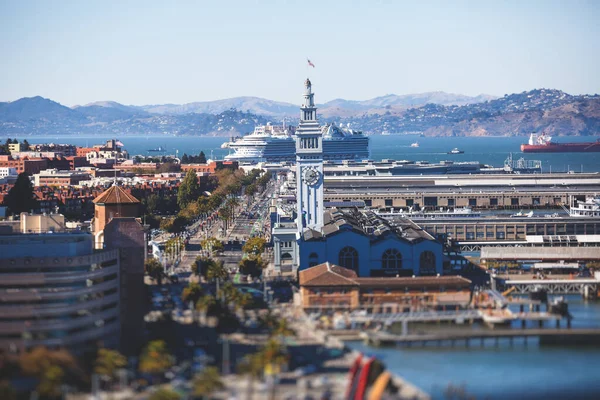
x=549, y=110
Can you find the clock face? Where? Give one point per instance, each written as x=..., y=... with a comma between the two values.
x=311, y=176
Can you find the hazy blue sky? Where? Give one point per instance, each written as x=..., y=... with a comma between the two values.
x=148, y=52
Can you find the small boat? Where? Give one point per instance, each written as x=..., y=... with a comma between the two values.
x=415, y=144
x=456, y=151
x=159, y=148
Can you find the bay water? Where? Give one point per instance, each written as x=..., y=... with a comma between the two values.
x=486, y=150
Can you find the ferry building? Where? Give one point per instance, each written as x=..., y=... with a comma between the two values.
x=357, y=240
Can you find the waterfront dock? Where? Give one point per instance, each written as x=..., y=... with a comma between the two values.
x=554, y=337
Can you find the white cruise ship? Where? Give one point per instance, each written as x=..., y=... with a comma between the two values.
x=277, y=143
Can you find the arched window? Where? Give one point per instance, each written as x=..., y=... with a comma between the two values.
x=391, y=259
x=286, y=258
x=427, y=263
x=313, y=259
x=349, y=258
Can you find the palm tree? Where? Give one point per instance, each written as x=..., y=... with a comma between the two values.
x=232, y=203
x=208, y=382
x=252, y=366
x=204, y=304
x=155, y=358
x=107, y=363
x=274, y=356
x=225, y=215
x=154, y=269
x=192, y=293
x=216, y=271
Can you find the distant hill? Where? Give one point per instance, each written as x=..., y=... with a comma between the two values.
x=338, y=107
x=551, y=111
x=548, y=110
x=396, y=103
x=254, y=105
x=39, y=116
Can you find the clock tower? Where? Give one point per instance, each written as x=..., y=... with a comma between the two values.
x=309, y=165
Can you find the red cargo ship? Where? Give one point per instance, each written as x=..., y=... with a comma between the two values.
x=544, y=144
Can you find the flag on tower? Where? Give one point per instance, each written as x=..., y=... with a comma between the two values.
x=119, y=143
x=309, y=63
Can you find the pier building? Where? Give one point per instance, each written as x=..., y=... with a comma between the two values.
x=371, y=246
x=357, y=240
x=512, y=191
x=473, y=234
x=330, y=287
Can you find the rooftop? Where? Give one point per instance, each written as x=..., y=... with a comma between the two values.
x=367, y=223
x=115, y=195
x=328, y=274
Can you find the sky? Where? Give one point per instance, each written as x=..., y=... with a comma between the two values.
x=156, y=52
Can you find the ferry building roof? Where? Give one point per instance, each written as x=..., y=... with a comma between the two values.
x=367, y=223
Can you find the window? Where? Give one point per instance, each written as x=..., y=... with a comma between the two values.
x=493, y=201
x=391, y=259
x=389, y=202
x=313, y=259
x=450, y=202
x=427, y=263
x=286, y=258
x=349, y=258
x=472, y=202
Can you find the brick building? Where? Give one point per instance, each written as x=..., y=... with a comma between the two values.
x=331, y=287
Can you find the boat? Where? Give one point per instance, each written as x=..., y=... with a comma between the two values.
x=520, y=214
x=270, y=143
x=385, y=133
x=590, y=208
x=158, y=149
x=415, y=144
x=456, y=151
x=544, y=144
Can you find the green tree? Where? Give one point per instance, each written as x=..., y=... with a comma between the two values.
x=212, y=244
x=202, y=158
x=185, y=159
x=251, y=190
x=193, y=292
x=155, y=358
x=206, y=303
x=25, y=145
x=152, y=203
x=216, y=271
x=164, y=394
x=225, y=216
x=277, y=326
x=252, y=265
x=154, y=269
x=255, y=246
x=20, y=197
x=208, y=382
x=108, y=362
x=48, y=367
x=189, y=190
